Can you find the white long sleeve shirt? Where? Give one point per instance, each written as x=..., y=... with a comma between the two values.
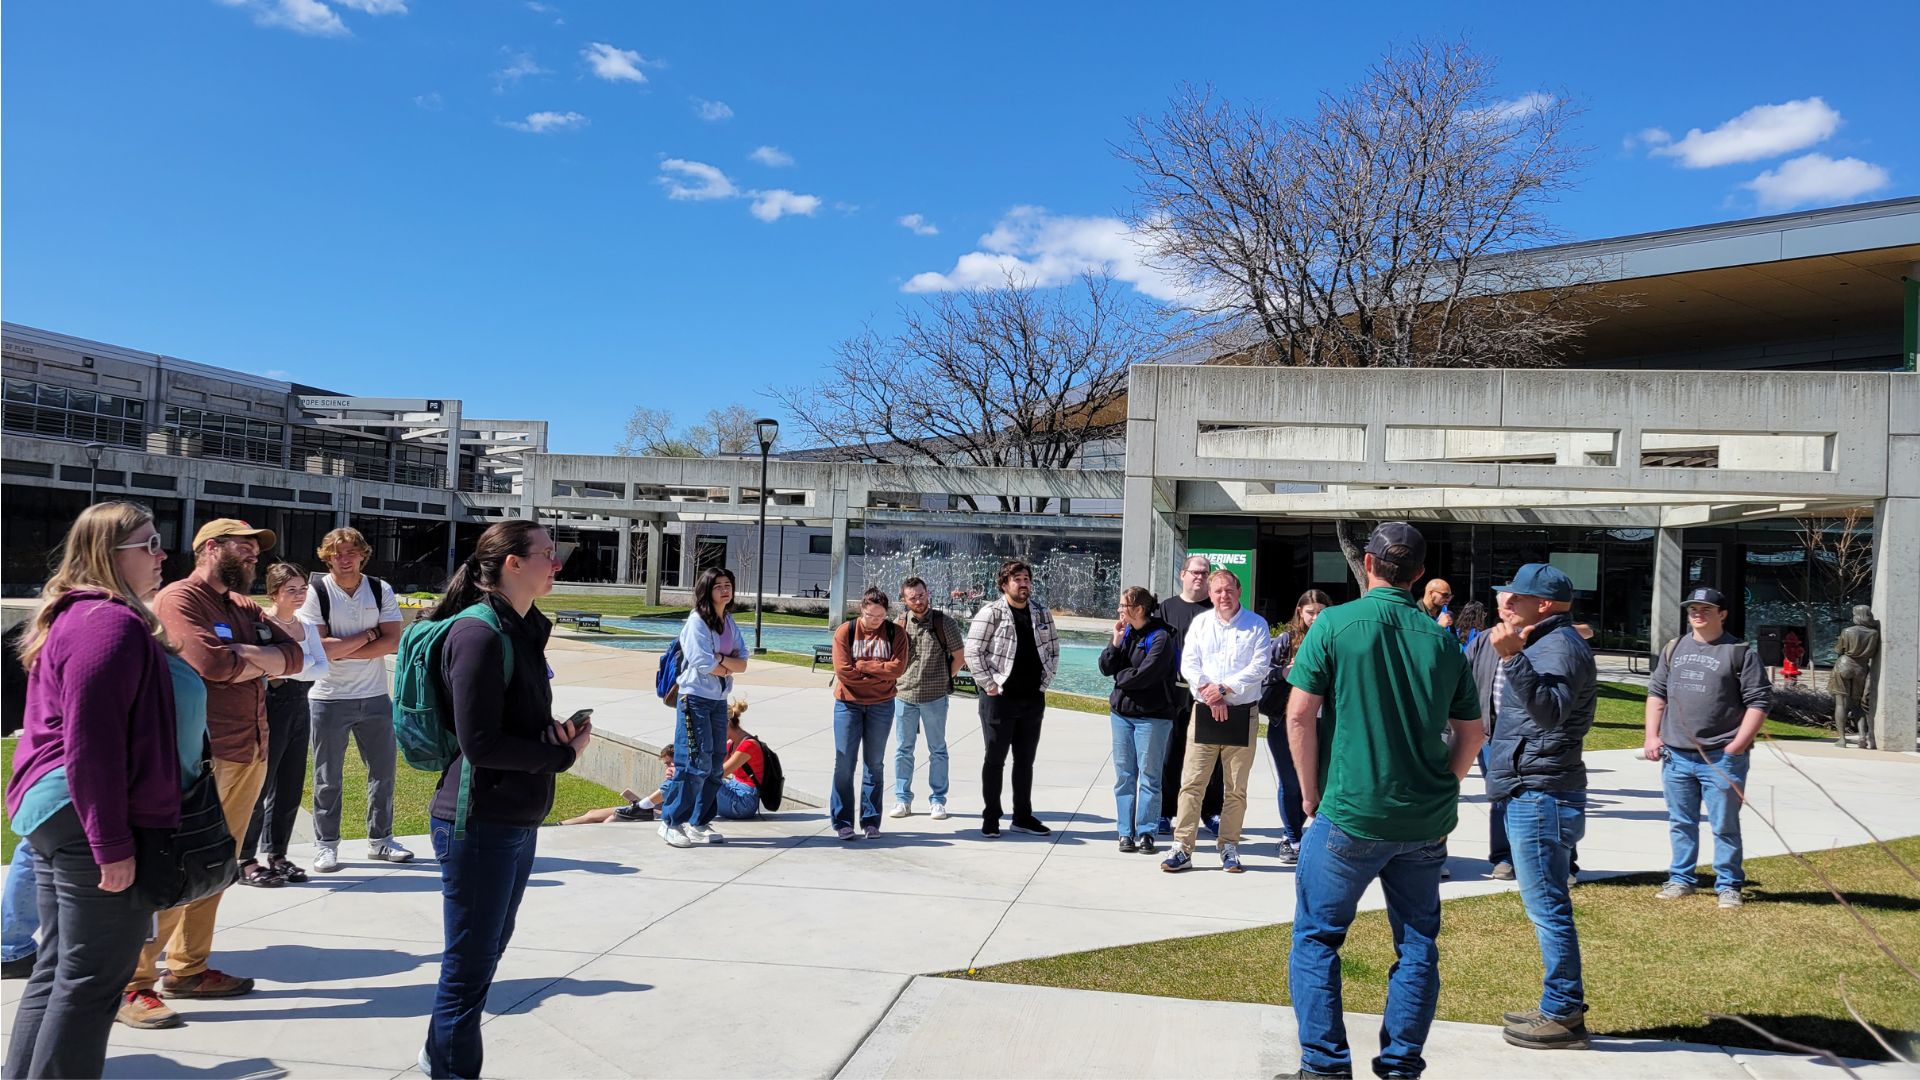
x=1232, y=655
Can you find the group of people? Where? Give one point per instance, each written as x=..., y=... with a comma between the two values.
x=1375, y=713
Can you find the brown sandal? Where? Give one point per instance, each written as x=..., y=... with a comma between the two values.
x=260, y=877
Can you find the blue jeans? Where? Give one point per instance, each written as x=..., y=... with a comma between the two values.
x=1139, y=751
x=908, y=719
x=738, y=799
x=22, y=916
x=1499, y=848
x=699, y=748
x=1293, y=816
x=859, y=731
x=1544, y=827
x=483, y=875
x=1335, y=869
x=1690, y=777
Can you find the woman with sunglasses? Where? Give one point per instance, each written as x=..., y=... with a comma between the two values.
x=101, y=755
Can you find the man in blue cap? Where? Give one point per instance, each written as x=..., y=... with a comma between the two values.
x=1544, y=688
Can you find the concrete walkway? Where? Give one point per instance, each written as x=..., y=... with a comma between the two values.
x=788, y=953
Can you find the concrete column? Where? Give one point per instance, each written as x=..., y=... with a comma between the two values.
x=1896, y=603
x=1669, y=584
x=656, y=539
x=451, y=414
x=187, y=512
x=623, y=564
x=1136, y=533
x=837, y=563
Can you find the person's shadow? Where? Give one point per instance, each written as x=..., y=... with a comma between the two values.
x=413, y=1001
x=158, y=1067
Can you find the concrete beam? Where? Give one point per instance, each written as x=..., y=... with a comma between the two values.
x=837, y=565
x=1896, y=603
x=1669, y=584
x=656, y=539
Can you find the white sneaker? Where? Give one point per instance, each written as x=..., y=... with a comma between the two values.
x=696, y=834
x=388, y=850
x=674, y=837
x=424, y=1065
x=326, y=860
x=938, y=812
x=714, y=837
x=901, y=809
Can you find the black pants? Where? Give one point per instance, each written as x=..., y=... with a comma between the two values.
x=1293, y=815
x=1216, y=796
x=89, y=944
x=1010, y=723
x=289, y=727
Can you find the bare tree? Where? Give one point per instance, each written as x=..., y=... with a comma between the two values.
x=727, y=431
x=1388, y=229
x=1839, y=568
x=650, y=434
x=1019, y=376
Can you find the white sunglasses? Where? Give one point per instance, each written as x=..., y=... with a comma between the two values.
x=153, y=544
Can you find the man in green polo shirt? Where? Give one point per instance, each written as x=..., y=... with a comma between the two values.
x=1377, y=684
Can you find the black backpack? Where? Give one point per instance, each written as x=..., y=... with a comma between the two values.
x=382, y=592
x=772, y=786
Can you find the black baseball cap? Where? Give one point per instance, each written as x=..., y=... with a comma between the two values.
x=1398, y=542
x=1704, y=595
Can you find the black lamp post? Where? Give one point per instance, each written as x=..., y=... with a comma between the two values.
x=768, y=430
x=94, y=450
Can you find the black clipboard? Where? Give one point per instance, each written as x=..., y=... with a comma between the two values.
x=1235, y=730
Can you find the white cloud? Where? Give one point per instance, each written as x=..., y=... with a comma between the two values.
x=1038, y=248
x=613, y=64
x=1761, y=132
x=1512, y=110
x=919, y=225
x=539, y=8
x=712, y=111
x=430, y=102
x=519, y=66
x=773, y=156
x=773, y=205
x=695, y=180
x=542, y=123
x=310, y=17
x=375, y=7
x=277, y=373
x=1816, y=178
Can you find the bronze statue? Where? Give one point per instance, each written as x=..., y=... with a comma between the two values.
x=1859, y=644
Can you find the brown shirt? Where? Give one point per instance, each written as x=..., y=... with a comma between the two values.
x=203, y=624
x=866, y=666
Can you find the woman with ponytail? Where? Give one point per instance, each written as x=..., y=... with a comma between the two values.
x=507, y=732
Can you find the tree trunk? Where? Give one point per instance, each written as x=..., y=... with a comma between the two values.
x=1353, y=544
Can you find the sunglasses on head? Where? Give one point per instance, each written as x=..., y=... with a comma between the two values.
x=153, y=544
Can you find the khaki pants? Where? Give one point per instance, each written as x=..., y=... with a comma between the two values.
x=187, y=932
x=1236, y=764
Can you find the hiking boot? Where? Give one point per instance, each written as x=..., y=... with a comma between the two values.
x=674, y=836
x=1731, y=900
x=1674, y=890
x=1230, y=859
x=1177, y=861
x=1145, y=841
x=388, y=850
x=326, y=859
x=1502, y=871
x=207, y=984
x=1128, y=846
x=938, y=811
x=19, y=969
x=1030, y=826
x=1288, y=853
x=1536, y=1030
x=143, y=1009
x=900, y=810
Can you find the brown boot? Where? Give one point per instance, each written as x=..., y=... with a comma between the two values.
x=142, y=1009
x=207, y=984
x=1536, y=1030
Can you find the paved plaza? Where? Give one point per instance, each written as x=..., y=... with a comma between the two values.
x=789, y=953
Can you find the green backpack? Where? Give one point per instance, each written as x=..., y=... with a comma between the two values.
x=422, y=726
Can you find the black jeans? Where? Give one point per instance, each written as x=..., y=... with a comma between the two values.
x=289, y=726
x=1216, y=797
x=1010, y=723
x=483, y=876
x=89, y=944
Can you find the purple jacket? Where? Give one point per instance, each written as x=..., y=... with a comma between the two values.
x=100, y=702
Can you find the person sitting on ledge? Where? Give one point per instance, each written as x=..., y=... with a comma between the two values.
x=637, y=808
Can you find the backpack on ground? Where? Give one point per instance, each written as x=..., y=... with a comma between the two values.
x=382, y=592
x=666, y=679
x=422, y=726
x=772, y=786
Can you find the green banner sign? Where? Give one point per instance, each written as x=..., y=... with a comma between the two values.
x=1227, y=548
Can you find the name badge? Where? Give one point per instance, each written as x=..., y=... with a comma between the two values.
x=223, y=631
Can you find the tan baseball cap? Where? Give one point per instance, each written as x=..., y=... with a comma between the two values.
x=224, y=527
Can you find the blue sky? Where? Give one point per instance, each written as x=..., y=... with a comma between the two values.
x=475, y=199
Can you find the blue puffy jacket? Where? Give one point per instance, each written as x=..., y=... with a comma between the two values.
x=1541, y=722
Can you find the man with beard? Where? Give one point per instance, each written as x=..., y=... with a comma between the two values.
x=224, y=636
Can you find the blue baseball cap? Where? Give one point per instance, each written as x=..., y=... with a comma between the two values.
x=1544, y=580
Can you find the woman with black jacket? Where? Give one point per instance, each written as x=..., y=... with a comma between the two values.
x=506, y=729
x=1273, y=707
x=1141, y=660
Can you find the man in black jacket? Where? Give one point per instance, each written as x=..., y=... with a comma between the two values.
x=1140, y=659
x=1544, y=690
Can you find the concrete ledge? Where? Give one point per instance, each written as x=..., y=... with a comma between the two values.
x=618, y=761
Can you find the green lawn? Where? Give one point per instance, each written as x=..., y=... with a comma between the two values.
x=1653, y=970
x=1620, y=714
x=413, y=790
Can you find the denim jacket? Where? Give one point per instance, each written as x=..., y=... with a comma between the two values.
x=700, y=651
x=1543, y=718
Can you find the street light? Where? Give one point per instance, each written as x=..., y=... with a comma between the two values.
x=768, y=430
x=94, y=449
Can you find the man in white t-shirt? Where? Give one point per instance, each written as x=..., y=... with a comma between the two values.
x=359, y=621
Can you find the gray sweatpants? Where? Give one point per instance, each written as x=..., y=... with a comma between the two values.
x=370, y=722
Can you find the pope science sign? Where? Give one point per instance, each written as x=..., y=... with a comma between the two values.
x=318, y=403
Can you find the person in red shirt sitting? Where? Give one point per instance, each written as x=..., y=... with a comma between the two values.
x=746, y=763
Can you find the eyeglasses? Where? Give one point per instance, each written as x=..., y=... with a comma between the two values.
x=153, y=544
